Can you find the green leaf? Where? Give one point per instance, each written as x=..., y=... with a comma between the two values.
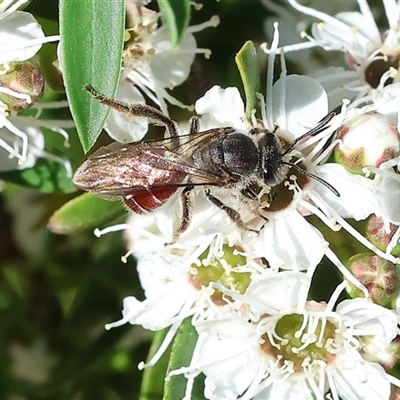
x=46, y=176
x=247, y=63
x=181, y=354
x=177, y=17
x=153, y=378
x=84, y=212
x=92, y=33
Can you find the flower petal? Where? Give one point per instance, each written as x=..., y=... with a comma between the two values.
x=290, y=242
x=357, y=199
x=221, y=107
x=294, y=113
x=17, y=30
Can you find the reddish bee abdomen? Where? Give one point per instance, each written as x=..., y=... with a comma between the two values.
x=147, y=201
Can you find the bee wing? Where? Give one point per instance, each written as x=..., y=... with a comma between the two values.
x=125, y=169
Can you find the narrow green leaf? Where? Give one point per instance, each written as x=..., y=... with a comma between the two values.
x=84, y=212
x=46, y=176
x=181, y=354
x=177, y=17
x=247, y=63
x=153, y=378
x=92, y=33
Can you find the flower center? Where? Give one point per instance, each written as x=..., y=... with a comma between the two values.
x=377, y=68
x=219, y=267
x=298, y=343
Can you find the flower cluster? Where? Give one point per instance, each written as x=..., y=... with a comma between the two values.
x=21, y=86
x=238, y=259
x=150, y=66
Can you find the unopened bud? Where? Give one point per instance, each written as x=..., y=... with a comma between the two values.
x=368, y=140
x=26, y=80
x=379, y=234
x=394, y=393
x=377, y=275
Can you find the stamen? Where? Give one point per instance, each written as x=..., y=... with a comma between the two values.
x=22, y=135
x=15, y=94
x=113, y=228
x=163, y=347
x=345, y=272
x=5, y=11
x=335, y=295
x=212, y=22
x=30, y=43
x=270, y=75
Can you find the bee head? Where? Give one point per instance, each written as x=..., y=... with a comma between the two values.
x=273, y=169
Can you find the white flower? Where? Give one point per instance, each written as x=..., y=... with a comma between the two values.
x=287, y=240
x=152, y=65
x=386, y=181
x=21, y=36
x=176, y=279
x=22, y=140
x=293, y=241
x=372, y=56
x=291, y=348
x=307, y=61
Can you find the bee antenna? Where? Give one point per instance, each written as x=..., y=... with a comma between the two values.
x=317, y=129
x=315, y=177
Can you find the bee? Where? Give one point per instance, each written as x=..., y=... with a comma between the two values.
x=146, y=174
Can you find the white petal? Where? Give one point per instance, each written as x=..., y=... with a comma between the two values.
x=284, y=291
x=362, y=382
x=222, y=107
x=231, y=364
x=118, y=126
x=172, y=66
x=290, y=242
x=287, y=390
x=17, y=30
x=370, y=318
x=387, y=103
x=357, y=199
x=335, y=81
x=362, y=27
x=157, y=312
x=388, y=190
x=294, y=113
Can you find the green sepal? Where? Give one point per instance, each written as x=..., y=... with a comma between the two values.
x=177, y=17
x=247, y=63
x=92, y=35
x=84, y=212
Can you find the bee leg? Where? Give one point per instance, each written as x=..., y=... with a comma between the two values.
x=136, y=111
x=232, y=214
x=194, y=125
x=182, y=222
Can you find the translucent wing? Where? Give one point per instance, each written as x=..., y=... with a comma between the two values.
x=126, y=169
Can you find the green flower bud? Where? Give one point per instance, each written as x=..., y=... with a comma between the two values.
x=26, y=80
x=380, y=235
x=377, y=275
